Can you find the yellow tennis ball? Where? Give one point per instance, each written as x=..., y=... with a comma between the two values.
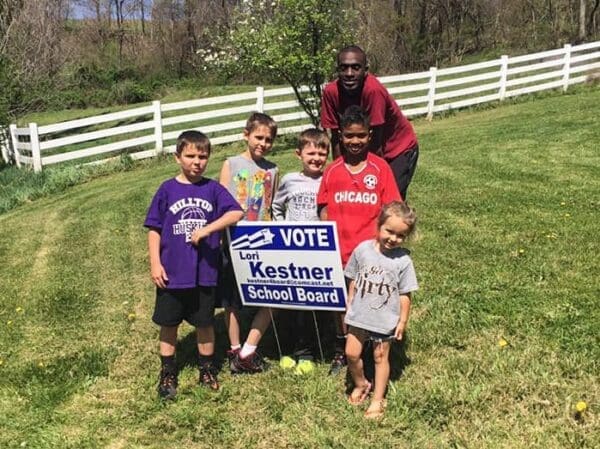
x=287, y=362
x=304, y=367
x=581, y=406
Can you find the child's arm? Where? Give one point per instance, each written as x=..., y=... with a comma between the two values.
x=279, y=202
x=157, y=271
x=225, y=175
x=322, y=210
x=351, y=291
x=404, y=312
x=227, y=219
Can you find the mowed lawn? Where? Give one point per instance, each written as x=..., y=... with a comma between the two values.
x=509, y=207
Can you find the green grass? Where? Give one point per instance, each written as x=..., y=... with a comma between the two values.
x=508, y=206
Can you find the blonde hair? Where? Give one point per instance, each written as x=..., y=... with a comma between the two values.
x=402, y=210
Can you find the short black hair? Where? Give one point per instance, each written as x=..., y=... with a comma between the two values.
x=353, y=49
x=354, y=114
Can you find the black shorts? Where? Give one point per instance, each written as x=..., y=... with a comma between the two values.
x=194, y=305
x=228, y=295
x=403, y=166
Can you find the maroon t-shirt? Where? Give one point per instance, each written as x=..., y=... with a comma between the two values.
x=398, y=133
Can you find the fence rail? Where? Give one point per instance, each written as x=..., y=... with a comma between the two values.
x=151, y=130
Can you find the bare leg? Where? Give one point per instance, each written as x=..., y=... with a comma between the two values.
x=232, y=322
x=354, y=346
x=260, y=324
x=381, y=352
x=206, y=340
x=168, y=340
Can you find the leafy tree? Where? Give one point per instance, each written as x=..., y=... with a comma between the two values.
x=294, y=41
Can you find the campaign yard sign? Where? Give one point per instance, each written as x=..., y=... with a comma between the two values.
x=288, y=265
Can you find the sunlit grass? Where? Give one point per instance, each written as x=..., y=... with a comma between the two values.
x=503, y=340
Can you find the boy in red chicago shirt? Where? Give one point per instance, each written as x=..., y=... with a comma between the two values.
x=353, y=190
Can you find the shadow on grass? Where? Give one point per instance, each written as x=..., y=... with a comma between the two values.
x=284, y=341
x=399, y=360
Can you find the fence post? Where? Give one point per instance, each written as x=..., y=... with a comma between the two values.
x=503, y=76
x=15, y=140
x=260, y=99
x=4, y=145
x=34, y=142
x=431, y=94
x=566, y=67
x=158, y=135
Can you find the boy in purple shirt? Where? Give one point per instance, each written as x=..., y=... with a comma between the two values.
x=184, y=220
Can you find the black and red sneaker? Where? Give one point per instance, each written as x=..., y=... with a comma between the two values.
x=167, y=383
x=231, y=355
x=251, y=364
x=338, y=363
x=208, y=376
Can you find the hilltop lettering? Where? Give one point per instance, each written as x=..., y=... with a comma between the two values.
x=190, y=202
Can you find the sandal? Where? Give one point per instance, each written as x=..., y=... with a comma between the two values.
x=357, y=400
x=376, y=410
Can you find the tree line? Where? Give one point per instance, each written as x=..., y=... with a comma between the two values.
x=56, y=54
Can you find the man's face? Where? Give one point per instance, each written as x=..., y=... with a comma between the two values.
x=352, y=69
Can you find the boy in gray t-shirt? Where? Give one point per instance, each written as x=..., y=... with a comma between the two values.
x=296, y=200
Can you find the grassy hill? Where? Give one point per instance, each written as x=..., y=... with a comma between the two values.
x=508, y=206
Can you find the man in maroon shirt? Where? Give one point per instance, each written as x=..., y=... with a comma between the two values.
x=393, y=137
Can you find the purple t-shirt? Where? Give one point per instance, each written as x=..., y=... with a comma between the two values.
x=176, y=210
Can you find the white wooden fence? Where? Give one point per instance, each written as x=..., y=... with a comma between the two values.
x=145, y=131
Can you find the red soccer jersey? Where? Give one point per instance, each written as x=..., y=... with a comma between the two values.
x=398, y=133
x=354, y=200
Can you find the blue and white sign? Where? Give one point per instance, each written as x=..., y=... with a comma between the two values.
x=292, y=265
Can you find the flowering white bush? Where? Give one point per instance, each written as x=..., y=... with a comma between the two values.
x=292, y=41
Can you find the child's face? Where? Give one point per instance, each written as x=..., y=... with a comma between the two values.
x=355, y=139
x=313, y=159
x=392, y=233
x=260, y=141
x=193, y=162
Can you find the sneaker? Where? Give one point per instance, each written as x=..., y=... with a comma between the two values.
x=167, y=384
x=304, y=354
x=231, y=355
x=208, y=377
x=338, y=363
x=254, y=363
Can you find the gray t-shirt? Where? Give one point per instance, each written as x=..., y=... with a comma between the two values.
x=296, y=198
x=380, y=280
x=252, y=184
